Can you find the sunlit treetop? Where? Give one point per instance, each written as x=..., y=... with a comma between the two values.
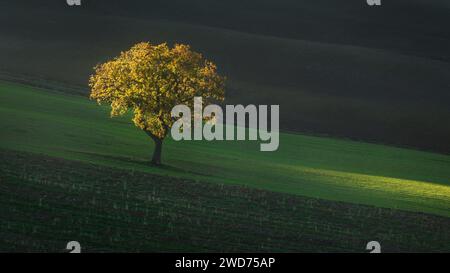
x=151, y=79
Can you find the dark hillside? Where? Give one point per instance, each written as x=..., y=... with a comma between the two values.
x=336, y=67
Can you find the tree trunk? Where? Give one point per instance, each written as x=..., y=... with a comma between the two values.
x=156, y=159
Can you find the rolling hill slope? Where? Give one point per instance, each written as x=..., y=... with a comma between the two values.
x=68, y=171
x=351, y=74
x=46, y=202
x=342, y=69
x=71, y=127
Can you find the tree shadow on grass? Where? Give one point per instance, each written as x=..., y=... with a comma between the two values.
x=138, y=162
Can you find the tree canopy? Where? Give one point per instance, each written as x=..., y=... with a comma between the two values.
x=150, y=80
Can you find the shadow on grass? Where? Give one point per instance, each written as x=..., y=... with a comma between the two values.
x=138, y=162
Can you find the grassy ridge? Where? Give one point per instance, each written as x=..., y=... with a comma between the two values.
x=46, y=202
x=72, y=127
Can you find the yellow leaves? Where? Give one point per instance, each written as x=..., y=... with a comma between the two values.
x=151, y=80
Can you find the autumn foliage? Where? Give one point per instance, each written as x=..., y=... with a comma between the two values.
x=150, y=80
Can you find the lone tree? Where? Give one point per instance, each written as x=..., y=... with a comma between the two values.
x=149, y=80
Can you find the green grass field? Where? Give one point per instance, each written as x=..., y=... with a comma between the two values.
x=46, y=202
x=74, y=128
x=69, y=172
